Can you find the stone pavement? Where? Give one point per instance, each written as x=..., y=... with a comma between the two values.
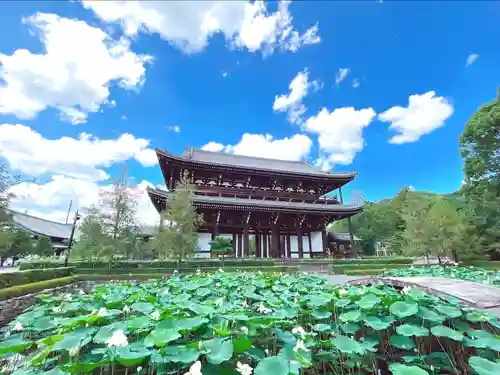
x=474, y=294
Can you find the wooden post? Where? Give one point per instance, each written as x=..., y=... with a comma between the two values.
x=240, y=248
x=275, y=242
x=288, y=246
x=246, y=241
x=300, y=242
x=257, y=245
x=234, y=245
x=325, y=241
x=265, y=242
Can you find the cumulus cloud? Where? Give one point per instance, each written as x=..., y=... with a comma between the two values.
x=292, y=102
x=471, y=59
x=84, y=157
x=175, y=128
x=295, y=147
x=424, y=114
x=340, y=134
x=50, y=200
x=341, y=75
x=189, y=25
x=72, y=75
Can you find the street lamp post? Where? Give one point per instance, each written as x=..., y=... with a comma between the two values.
x=77, y=217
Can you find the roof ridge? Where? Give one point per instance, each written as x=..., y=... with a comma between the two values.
x=252, y=157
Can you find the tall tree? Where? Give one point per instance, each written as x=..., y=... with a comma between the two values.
x=179, y=239
x=43, y=247
x=221, y=246
x=480, y=149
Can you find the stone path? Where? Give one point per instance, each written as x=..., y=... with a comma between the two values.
x=478, y=295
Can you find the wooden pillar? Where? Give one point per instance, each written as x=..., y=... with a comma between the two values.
x=265, y=242
x=240, y=255
x=234, y=245
x=300, y=243
x=246, y=241
x=325, y=241
x=275, y=242
x=288, y=247
x=310, y=245
x=257, y=245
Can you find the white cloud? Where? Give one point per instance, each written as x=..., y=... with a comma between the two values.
x=292, y=102
x=471, y=59
x=190, y=25
x=74, y=73
x=341, y=74
x=175, y=128
x=225, y=74
x=340, y=134
x=424, y=114
x=295, y=147
x=50, y=200
x=84, y=157
x=356, y=83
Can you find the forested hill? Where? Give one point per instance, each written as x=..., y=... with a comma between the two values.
x=406, y=220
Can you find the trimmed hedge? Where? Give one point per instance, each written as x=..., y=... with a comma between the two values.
x=169, y=271
x=140, y=264
x=10, y=279
x=21, y=290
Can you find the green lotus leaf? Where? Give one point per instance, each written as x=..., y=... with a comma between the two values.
x=143, y=307
x=449, y=311
x=321, y=313
x=44, y=323
x=218, y=350
x=444, y=331
x=202, y=309
x=161, y=337
x=129, y=358
x=105, y=333
x=403, y=309
x=430, y=315
x=351, y=316
x=411, y=330
x=138, y=323
x=76, y=339
x=241, y=345
x=483, y=366
x=272, y=365
x=350, y=328
x=368, y=301
x=190, y=323
x=319, y=300
x=347, y=345
x=14, y=345
x=400, y=369
x=180, y=354
x=342, y=303
x=375, y=323
x=402, y=342
x=322, y=327
x=479, y=316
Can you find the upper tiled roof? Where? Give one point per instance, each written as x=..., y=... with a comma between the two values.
x=224, y=159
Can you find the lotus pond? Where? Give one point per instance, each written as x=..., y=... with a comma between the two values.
x=247, y=323
x=462, y=273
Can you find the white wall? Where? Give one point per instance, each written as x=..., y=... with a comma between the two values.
x=294, y=244
x=317, y=242
x=204, y=241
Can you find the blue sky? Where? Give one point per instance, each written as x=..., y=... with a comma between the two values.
x=174, y=85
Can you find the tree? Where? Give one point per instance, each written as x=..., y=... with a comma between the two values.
x=179, y=239
x=43, y=247
x=221, y=245
x=480, y=149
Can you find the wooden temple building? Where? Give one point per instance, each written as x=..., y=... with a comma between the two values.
x=280, y=205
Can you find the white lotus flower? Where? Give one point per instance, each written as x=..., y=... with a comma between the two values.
x=342, y=292
x=244, y=369
x=266, y=351
x=259, y=272
x=139, y=369
x=117, y=339
x=221, y=270
x=299, y=330
x=263, y=310
x=165, y=291
x=102, y=312
x=126, y=309
x=361, y=292
x=300, y=346
x=218, y=285
x=56, y=309
x=198, y=271
x=18, y=327
x=81, y=292
x=195, y=369
x=244, y=330
x=74, y=351
x=155, y=315
x=219, y=301
x=295, y=300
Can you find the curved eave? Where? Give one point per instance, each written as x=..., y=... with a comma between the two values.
x=236, y=204
x=342, y=177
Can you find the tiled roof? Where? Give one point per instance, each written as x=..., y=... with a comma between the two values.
x=39, y=226
x=224, y=159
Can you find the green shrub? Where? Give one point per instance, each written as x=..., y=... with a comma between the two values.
x=10, y=279
x=139, y=264
x=21, y=290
